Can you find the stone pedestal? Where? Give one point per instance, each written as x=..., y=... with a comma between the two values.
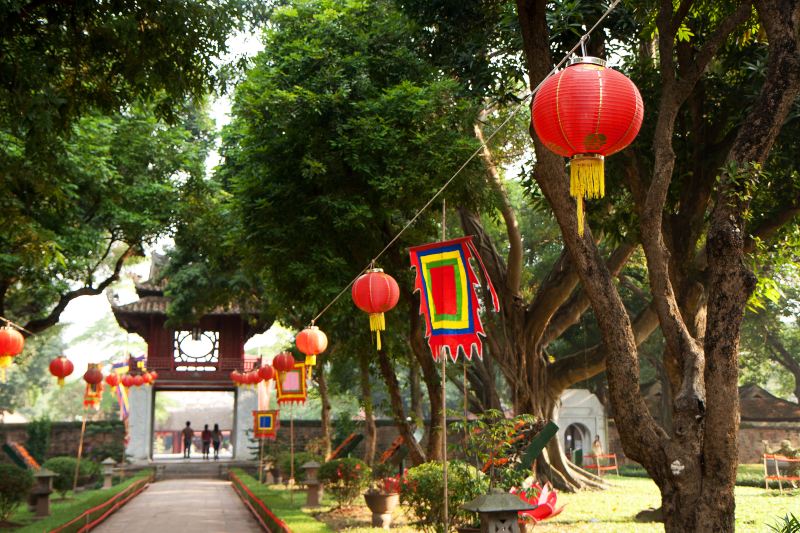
x=41, y=491
x=313, y=494
x=381, y=506
x=140, y=423
x=246, y=403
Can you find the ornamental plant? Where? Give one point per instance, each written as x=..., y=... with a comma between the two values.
x=15, y=483
x=345, y=479
x=64, y=466
x=422, y=488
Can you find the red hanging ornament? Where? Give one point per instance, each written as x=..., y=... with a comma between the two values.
x=112, y=380
x=154, y=375
x=138, y=380
x=236, y=377
x=11, y=344
x=94, y=386
x=61, y=367
x=148, y=378
x=266, y=372
x=93, y=376
x=127, y=381
x=312, y=342
x=375, y=293
x=283, y=362
x=587, y=112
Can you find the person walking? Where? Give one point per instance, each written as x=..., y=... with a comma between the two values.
x=188, y=435
x=216, y=440
x=205, y=436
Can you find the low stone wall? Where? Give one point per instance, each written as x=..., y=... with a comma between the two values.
x=753, y=434
x=103, y=437
x=308, y=430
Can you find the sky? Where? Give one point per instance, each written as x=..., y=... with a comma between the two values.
x=83, y=312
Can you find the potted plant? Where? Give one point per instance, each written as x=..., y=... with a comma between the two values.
x=382, y=497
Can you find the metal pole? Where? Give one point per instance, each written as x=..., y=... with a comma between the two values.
x=80, y=453
x=291, y=453
x=443, y=355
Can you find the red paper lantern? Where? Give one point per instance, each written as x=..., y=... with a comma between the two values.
x=283, y=362
x=148, y=378
x=236, y=377
x=127, y=381
x=253, y=378
x=61, y=367
x=93, y=376
x=11, y=344
x=154, y=375
x=138, y=380
x=112, y=380
x=312, y=342
x=587, y=112
x=266, y=372
x=375, y=293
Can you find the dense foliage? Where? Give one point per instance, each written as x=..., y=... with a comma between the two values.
x=15, y=483
x=65, y=467
x=345, y=479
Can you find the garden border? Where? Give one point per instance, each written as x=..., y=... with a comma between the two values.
x=248, y=498
x=115, y=502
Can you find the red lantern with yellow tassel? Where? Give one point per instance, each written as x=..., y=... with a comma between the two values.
x=61, y=367
x=236, y=377
x=587, y=112
x=283, y=362
x=312, y=342
x=375, y=293
x=266, y=372
x=127, y=381
x=94, y=386
x=112, y=380
x=11, y=344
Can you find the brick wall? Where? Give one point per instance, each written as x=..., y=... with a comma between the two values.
x=65, y=436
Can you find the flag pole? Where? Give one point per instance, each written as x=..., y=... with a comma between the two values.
x=443, y=355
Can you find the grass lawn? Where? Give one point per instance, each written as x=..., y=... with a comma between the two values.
x=62, y=511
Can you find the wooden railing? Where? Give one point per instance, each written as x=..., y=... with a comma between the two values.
x=777, y=476
x=93, y=517
x=266, y=518
x=600, y=468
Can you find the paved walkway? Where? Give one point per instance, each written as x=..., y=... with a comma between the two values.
x=183, y=505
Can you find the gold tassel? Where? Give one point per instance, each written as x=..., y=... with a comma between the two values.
x=311, y=360
x=60, y=382
x=377, y=323
x=586, y=180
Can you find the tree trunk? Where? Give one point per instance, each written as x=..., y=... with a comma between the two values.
x=325, y=411
x=369, y=414
x=416, y=394
x=415, y=452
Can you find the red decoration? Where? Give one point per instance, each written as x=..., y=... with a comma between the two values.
x=61, y=367
x=112, y=380
x=154, y=374
x=266, y=372
x=148, y=378
x=94, y=386
x=11, y=344
x=283, y=362
x=312, y=342
x=127, y=381
x=375, y=293
x=587, y=112
x=93, y=376
x=138, y=380
x=237, y=377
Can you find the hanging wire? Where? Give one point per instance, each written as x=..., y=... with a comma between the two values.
x=16, y=326
x=580, y=44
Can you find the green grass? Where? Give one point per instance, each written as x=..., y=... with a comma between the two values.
x=279, y=501
x=613, y=510
x=63, y=511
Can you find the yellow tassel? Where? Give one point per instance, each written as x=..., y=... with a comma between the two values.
x=311, y=360
x=586, y=180
x=60, y=382
x=377, y=323
x=579, y=201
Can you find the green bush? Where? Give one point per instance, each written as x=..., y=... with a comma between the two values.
x=15, y=483
x=65, y=468
x=345, y=478
x=422, y=489
x=38, y=441
x=284, y=462
x=788, y=524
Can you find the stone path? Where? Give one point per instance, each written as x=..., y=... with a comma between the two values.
x=183, y=505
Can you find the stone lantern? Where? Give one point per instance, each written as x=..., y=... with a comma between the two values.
x=269, y=469
x=313, y=485
x=498, y=511
x=108, y=472
x=41, y=491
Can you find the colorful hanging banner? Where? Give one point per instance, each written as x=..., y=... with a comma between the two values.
x=448, y=300
x=120, y=391
x=266, y=424
x=291, y=385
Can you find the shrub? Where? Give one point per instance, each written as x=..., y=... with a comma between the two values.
x=284, y=462
x=65, y=468
x=422, y=488
x=788, y=524
x=15, y=483
x=38, y=441
x=345, y=478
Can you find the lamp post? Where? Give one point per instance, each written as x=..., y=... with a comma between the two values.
x=108, y=472
x=498, y=511
x=313, y=485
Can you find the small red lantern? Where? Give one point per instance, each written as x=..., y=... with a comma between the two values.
x=127, y=381
x=266, y=372
x=61, y=367
x=93, y=376
x=154, y=375
x=148, y=378
x=587, y=112
x=375, y=293
x=94, y=386
x=138, y=380
x=283, y=362
x=312, y=342
x=236, y=377
x=11, y=344
x=112, y=380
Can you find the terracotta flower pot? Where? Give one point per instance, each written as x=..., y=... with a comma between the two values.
x=381, y=506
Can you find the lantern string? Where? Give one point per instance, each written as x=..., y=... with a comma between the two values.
x=15, y=325
x=580, y=44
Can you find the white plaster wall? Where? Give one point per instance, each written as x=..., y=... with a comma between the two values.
x=583, y=407
x=140, y=417
x=246, y=403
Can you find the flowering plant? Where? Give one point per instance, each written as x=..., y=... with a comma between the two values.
x=345, y=478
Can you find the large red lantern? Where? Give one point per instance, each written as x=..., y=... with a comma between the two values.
x=312, y=342
x=375, y=293
x=11, y=344
x=112, y=380
x=266, y=372
x=283, y=362
x=61, y=367
x=587, y=112
x=93, y=376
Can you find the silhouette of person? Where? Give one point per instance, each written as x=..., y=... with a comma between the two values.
x=216, y=439
x=205, y=436
x=188, y=434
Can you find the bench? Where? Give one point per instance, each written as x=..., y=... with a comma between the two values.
x=778, y=476
x=600, y=468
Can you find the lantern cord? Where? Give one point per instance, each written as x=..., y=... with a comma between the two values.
x=17, y=326
x=580, y=44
